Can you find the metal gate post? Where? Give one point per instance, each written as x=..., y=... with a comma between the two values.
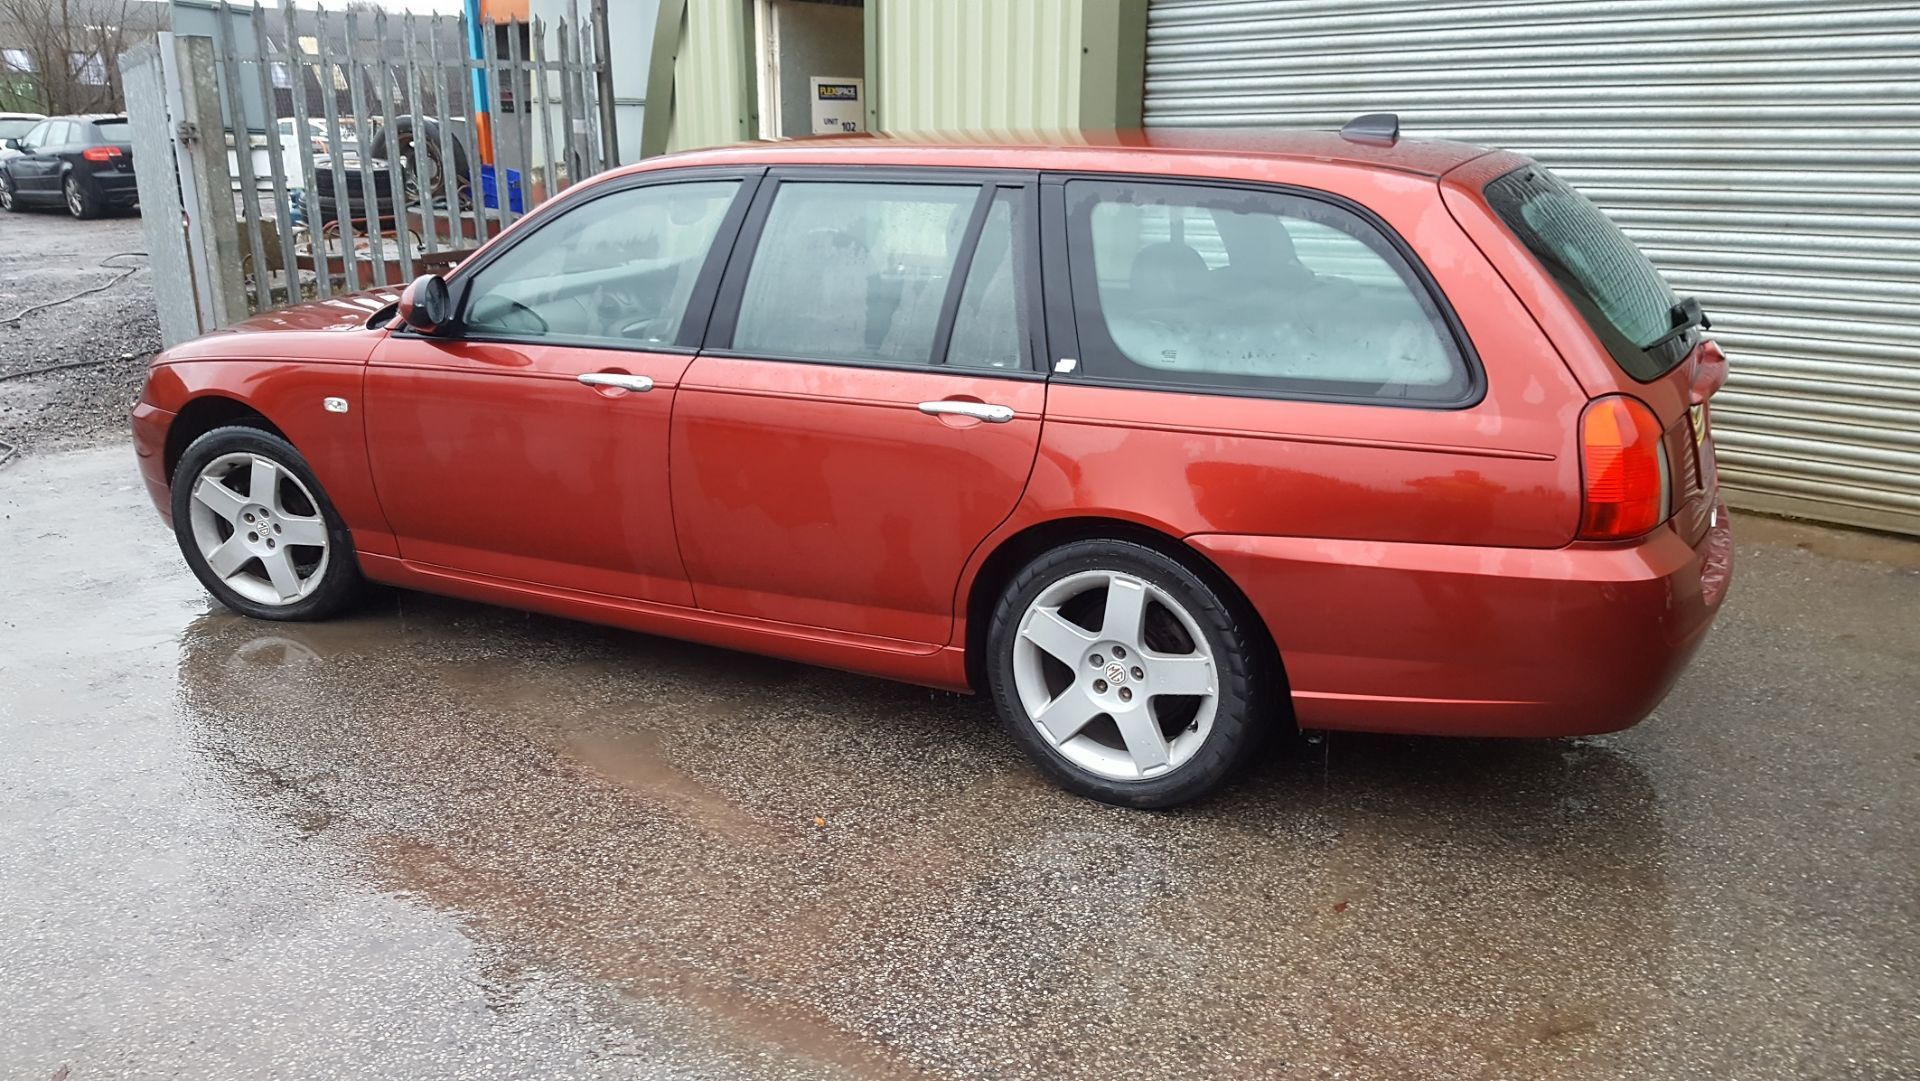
x=210, y=212
x=144, y=81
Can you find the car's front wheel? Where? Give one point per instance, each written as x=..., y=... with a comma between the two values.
x=258, y=530
x=81, y=202
x=9, y=201
x=1124, y=675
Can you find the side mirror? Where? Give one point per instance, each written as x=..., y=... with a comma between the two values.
x=13, y=144
x=424, y=304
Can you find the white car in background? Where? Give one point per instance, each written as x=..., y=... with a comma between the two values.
x=13, y=126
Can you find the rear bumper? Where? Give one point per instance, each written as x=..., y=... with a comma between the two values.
x=115, y=186
x=149, y=449
x=1466, y=641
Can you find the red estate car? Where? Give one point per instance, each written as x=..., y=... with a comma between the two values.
x=1159, y=440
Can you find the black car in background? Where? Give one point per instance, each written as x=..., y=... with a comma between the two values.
x=85, y=162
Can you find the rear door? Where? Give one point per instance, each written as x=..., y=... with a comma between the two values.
x=868, y=406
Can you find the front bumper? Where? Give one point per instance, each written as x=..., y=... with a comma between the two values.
x=1467, y=641
x=150, y=450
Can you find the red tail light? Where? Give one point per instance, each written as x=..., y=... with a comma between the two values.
x=1624, y=468
x=100, y=153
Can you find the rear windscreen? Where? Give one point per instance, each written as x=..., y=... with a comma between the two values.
x=1623, y=298
x=14, y=129
x=114, y=131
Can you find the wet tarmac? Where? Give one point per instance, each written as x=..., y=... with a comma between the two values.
x=439, y=840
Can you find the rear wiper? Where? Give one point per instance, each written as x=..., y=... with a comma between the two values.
x=1686, y=315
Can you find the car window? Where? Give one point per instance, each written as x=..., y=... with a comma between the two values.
x=853, y=271
x=987, y=328
x=618, y=269
x=65, y=134
x=1251, y=290
x=15, y=129
x=1617, y=289
x=114, y=131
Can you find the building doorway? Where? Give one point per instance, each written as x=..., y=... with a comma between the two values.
x=811, y=61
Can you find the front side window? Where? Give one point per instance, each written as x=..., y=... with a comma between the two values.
x=853, y=271
x=1256, y=291
x=617, y=270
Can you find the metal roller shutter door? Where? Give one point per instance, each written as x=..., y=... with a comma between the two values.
x=1765, y=153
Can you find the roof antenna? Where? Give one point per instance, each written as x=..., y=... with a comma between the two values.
x=1373, y=128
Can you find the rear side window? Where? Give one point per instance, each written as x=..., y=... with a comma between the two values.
x=986, y=325
x=1616, y=289
x=853, y=271
x=1255, y=291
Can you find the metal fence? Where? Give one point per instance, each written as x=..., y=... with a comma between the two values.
x=355, y=148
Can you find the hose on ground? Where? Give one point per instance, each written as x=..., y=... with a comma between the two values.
x=125, y=273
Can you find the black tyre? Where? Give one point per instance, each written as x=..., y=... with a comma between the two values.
x=9, y=201
x=426, y=177
x=82, y=203
x=258, y=530
x=1124, y=675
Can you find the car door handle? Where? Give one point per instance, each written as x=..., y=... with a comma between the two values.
x=992, y=414
x=636, y=383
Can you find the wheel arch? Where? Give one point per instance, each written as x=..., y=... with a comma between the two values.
x=1021, y=548
x=202, y=415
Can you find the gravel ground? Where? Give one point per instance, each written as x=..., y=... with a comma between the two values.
x=45, y=256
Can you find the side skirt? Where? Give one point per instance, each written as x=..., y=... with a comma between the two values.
x=929, y=665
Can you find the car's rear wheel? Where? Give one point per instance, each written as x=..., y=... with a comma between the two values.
x=258, y=530
x=1124, y=675
x=81, y=202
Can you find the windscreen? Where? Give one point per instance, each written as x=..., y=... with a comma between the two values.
x=114, y=131
x=14, y=129
x=1619, y=292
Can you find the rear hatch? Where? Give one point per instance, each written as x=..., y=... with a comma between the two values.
x=1654, y=337
x=114, y=131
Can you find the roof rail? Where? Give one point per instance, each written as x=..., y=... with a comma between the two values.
x=1373, y=128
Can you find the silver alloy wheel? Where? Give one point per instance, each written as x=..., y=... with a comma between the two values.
x=73, y=197
x=1105, y=698
x=6, y=195
x=259, y=529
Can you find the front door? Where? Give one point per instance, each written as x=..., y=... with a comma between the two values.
x=867, y=410
x=530, y=443
x=36, y=171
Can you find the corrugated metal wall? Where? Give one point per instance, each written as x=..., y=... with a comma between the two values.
x=1766, y=153
x=994, y=64
x=710, y=79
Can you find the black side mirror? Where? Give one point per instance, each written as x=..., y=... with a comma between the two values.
x=425, y=305
x=14, y=144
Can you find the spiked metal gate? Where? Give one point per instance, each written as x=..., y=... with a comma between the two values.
x=286, y=153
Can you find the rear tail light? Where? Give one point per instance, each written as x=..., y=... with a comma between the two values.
x=1623, y=468
x=100, y=153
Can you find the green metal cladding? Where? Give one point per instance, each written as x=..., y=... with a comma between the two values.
x=932, y=65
